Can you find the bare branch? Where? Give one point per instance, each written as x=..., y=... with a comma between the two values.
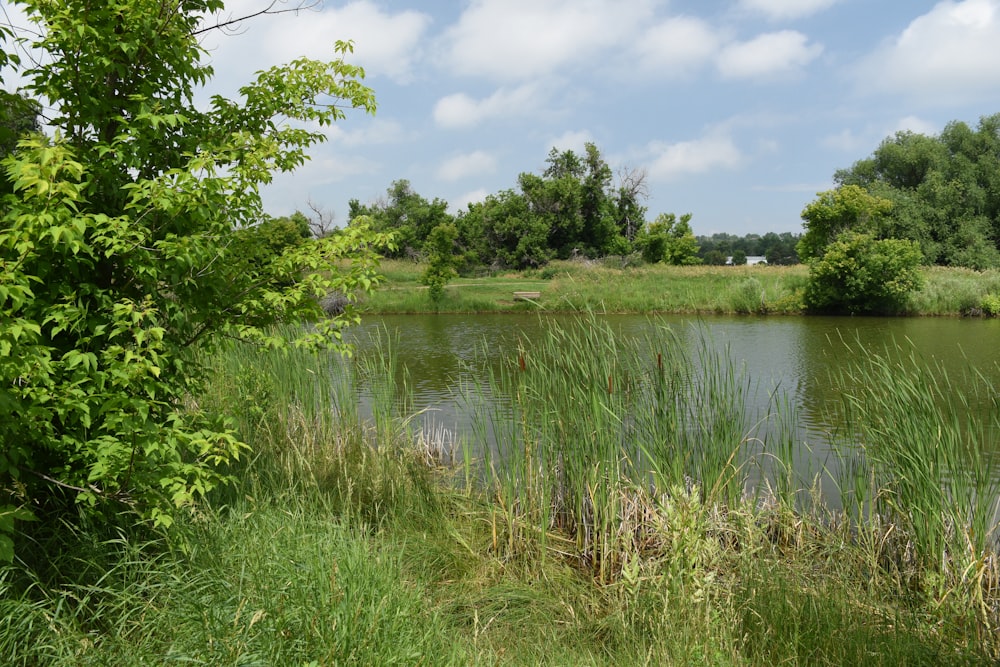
x=633, y=181
x=322, y=221
x=232, y=25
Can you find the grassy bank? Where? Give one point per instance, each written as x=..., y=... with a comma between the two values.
x=612, y=525
x=608, y=287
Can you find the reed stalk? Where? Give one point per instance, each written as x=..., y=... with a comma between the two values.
x=926, y=472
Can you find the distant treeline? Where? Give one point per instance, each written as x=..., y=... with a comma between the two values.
x=723, y=248
x=577, y=207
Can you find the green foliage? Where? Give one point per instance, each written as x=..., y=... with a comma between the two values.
x=18, y=116
x=991, y=305
x=441, y=260
x=405, y=214
x=502, y=230
x=739, y=258
x=847, y=207
x=859, y=274
x=119, y=259
x=670, y=240
x=944, y=191
x=571, y=209
x=257, y=249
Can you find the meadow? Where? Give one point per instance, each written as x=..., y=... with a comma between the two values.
x=615, y=523
x=617, y=285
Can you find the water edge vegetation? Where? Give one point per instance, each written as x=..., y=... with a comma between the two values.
x=614, y=524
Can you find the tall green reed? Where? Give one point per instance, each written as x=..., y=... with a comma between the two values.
x=928, y=443
x=594, y=430
x=301, y=412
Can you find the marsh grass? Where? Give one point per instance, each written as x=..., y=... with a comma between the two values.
x=599, y=439
x=610, y=524
x=925, y=439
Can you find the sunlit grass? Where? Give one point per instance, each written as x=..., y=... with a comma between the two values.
x=608, y=286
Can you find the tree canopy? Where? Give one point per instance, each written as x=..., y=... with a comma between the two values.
x=943, y=192
x=120, y=252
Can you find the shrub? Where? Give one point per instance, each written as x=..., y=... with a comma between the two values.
x=991, y=305
x=440, y=266
x=120, y=263
x=859, y=274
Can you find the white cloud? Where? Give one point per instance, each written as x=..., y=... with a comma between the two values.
x=811, y=188
x=847, y=141
x=517, y=39
x=384, y=43
x=714, y=151
x=767, y=55
x=676, y=46
x=375, y=132
x=462, y=166
x=947, y=55
x=570, y=141
x=778, y=10
x=462, y=111
x=462, y=202
x=915, y=125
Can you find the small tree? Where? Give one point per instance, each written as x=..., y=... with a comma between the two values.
x=441, y=260
x=669, y=239
x=118, y=254
x=859, y=274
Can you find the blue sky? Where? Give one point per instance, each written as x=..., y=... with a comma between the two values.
x=739, y=111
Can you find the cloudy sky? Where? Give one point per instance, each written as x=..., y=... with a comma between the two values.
x=738, y=110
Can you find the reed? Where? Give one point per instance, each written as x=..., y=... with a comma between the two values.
x=596, y=436
x=925, y=473
x=610, y=524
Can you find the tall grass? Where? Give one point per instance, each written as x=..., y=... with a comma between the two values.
x=613, y=524
x=595, y=436
x=926, y=440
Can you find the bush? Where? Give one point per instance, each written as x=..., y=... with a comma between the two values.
x=120, y=265
x=991, y=305
x=859, y=274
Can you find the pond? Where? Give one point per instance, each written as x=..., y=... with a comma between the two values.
x=796, y=356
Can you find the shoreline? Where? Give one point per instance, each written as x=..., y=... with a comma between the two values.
x=607, y=287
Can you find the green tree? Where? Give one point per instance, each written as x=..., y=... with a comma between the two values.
x=117, y=262
x=596, y=206
x=257, y=248
x=834, y=211
x=945, y=191
x=861, y=274
x=739, y=258
x=555, y=199
x=440, y=248
x=682, y=250
x=406, y=214
x=505, y=232
x=669, y=239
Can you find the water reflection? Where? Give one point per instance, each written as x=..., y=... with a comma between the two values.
x=792, y=359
